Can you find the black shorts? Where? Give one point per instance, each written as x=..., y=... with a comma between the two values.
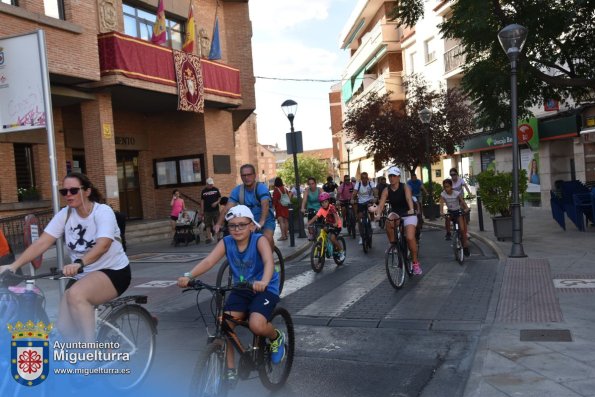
x=120, y=278
x=173, y=218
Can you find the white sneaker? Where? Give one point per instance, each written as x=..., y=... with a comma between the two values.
x=360, y=241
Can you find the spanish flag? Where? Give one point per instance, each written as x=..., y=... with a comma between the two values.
x=189, y=42
x=159, y=32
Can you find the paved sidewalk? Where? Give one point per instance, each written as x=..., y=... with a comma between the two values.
x=539, y=337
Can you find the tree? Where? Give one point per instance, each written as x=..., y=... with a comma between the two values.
x=397, y=136
x=557, y=62
x=307, y=166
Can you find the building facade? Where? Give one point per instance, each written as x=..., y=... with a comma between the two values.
x=115, y=102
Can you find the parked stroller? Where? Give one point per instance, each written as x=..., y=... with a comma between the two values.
x=187, y=228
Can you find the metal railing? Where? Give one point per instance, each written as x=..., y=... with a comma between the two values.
x=453, y=58
x=13, y=228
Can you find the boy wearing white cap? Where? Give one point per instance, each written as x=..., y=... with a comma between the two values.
x=250, y=260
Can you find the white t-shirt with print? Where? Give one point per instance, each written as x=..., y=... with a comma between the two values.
x=364, y=193
x=80, y=235
x=451, y=200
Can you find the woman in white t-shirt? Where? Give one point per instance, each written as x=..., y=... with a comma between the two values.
x=93, y=243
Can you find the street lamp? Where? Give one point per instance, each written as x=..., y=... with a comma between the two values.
x=425, y=116
x=289, y=107
x=348, y=148
x=512, y=39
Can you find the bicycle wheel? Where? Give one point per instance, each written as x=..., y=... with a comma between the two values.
x=280, y=267
x=404, y=252
x=457, y=247
x=317, y=256
x=133, y=329
x=394, y=264
x=208, y=375
x=341, y=241
x=370, y=234
x=223, y=275
x=365, y=236
x=351, y=227
x=274, y=376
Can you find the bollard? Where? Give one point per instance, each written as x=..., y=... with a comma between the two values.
x=479, y=213
x=291, y=230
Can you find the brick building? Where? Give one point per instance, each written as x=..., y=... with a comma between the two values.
x=114, y=102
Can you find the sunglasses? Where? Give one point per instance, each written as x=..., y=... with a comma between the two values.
x=72, y=191
x=237, y=226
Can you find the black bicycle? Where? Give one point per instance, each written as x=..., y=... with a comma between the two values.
x=397, y=259
x=366, y=231
x=225, y=274
x=457, y=239
x=208, y=376
x=348, y=218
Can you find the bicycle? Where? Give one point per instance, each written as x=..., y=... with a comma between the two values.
x=348, y=218
x=457, y=239
x=323, y=248
x=121, y=321
x=366, y=233
x=397, y=260
x=383, y=216
x=208, y=376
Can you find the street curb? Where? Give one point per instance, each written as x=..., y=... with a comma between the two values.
x=298, y=251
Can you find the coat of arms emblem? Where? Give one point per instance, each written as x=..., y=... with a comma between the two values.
x=29, y=354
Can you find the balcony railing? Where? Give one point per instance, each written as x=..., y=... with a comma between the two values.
x=453, y=58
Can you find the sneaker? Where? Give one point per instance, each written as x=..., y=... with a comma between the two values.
x=341, y=256
x=278, y=348
x=360, y=241
x=466, y=251
x=447, y=237
x=231, y=376
x=417, y=269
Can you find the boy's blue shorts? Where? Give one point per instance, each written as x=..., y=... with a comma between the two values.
x=252, y=302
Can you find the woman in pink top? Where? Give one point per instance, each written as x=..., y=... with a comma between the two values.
x=177, y=206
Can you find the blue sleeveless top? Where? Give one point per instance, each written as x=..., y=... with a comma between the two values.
x=248, y=265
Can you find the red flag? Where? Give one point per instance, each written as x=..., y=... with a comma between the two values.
x=159, y=32
x=189, y=42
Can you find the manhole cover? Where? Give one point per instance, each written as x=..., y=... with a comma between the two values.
x=545, y=335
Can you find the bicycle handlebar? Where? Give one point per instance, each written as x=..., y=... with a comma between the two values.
x=197, y=284
x=10, y=278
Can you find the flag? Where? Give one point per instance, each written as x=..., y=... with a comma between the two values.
x=189, y=42
x=215, y=52
x=159, y=33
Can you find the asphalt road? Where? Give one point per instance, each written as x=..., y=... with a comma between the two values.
x=355, y=334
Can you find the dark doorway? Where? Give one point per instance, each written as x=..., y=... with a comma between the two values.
x=128, y=184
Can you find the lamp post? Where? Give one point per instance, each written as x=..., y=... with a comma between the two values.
x=512, y=39
x=348, y=148
x=425, y=116
x=290, y=108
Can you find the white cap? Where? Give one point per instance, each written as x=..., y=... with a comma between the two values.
x=209, y=181
x=240, y=211
x=394, y=171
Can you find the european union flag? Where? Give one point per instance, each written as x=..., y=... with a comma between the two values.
x=215, y=52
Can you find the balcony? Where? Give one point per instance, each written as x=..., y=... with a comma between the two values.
x=384, y=83
x=453, y=59
x=126, y=60
x=386, y=35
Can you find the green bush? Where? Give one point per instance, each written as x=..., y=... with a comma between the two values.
x=495, y=189
x=436, y=190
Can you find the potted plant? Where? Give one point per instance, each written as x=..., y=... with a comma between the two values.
x=431, y=209
x=28, y=194
x=495, y=190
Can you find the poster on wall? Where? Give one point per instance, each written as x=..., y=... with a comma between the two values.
x=528, y=134
x=21, y=87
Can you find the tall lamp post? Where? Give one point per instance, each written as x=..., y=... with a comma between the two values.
x=512, y=39
x=348, y=148
x=425, y=116
x=290, y=108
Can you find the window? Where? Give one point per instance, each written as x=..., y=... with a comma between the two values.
x=23, y=161
x=179, y=171
x=488, y=160
x=54, y=8
x=412, y=62
x=430, y=50
x=11, y=2
x=139, y=23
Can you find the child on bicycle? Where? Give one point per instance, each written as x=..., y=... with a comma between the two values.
x=331, y=217
x=454, y=204
x=250, y=260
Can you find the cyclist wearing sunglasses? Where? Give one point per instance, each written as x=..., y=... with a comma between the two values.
x=92, y=240
x=250, y=260
x=256, y=197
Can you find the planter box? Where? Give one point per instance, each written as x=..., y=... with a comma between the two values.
x=503, y=227
x=431, y=212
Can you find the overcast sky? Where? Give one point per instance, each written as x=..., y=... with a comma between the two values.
x=300, y=40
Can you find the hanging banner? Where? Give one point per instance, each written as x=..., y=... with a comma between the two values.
x=190, y=83
x=21, y=87
x=528, y=134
